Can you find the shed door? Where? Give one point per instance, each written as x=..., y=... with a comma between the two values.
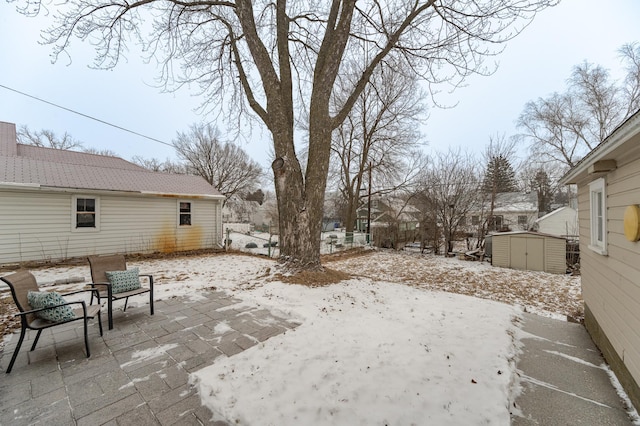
x=527, y=253
x=535, y=254
x=518, y=253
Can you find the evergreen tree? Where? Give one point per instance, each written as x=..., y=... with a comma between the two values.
x=500, y=176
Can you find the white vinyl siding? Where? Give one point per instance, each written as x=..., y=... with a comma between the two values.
x=598, y=205
x=36, y=226
x=610, y=286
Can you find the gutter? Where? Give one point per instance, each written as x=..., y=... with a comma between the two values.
x=38, y=187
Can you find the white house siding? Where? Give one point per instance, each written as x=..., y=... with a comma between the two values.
x=36, y=225
x=610, y=284
x=562, y=222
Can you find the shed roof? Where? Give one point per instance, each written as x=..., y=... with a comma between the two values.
x=25, y=165
x=531, y=233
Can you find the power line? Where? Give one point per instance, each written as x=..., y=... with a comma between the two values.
x=86, y=116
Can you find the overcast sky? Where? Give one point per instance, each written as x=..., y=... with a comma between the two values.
x=534, y=65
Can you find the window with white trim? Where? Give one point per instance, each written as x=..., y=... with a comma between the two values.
x=184, y=213
x=85, y=213
x=598, y=205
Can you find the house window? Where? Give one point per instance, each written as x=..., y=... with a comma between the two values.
x=495, y=223
x=598, y=204
x=522, y=220
x=85, y=213
x=475, y=220
x=184, y=213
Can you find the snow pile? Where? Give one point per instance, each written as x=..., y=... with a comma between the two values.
x=369, y=353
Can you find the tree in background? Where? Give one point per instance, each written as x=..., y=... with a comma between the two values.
x=450, y=189
x=378, y=140
x=47, y=139
x=225, y=165
x=499, y=176
x=565, y=126
x=543, y=180
x=156, y=165
x=284, y=59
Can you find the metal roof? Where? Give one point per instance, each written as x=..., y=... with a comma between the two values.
x=31, y=166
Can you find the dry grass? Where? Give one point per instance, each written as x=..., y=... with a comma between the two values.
x=559, y=294
x=314, y=278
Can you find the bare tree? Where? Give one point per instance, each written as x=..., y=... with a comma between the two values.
x=451, y=189
x=284, y=59
x=155, y=165
x=224, y=165
x=565, y=126
x=378, y=139
x=47, y=139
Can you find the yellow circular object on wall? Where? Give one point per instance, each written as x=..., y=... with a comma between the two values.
x=632, y=223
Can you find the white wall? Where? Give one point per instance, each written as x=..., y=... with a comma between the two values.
x=37, y=226
x=562, y=222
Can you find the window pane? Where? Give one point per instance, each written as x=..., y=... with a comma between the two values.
x=185, y=219
x=86, y=204
x=85, y=220
x=185, y=207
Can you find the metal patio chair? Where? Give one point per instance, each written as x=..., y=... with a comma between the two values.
x=100, y=265
x=21, y=283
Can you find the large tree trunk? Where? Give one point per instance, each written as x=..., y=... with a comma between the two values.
x=301, y=201
x=300, y=216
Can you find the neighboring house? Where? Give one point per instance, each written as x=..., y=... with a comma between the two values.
x=562, y=222
x=388, y=212
x=608, y=181
x=511, y=211
x=57, y=204
x=250, y=212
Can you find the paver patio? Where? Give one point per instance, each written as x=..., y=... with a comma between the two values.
x=138, y=372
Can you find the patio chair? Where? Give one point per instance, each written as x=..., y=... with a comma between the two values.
x=60, y=312
x=101, y=267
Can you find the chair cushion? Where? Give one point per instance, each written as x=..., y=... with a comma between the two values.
x=122, y=281
x=41, y=299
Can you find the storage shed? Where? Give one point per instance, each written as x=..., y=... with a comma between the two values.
x=529, y=251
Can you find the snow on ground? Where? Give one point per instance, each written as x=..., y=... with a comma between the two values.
x=331, y=242
x=370, y=353
x=385, y=347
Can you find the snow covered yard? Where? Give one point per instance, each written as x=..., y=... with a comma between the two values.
x=384, y=347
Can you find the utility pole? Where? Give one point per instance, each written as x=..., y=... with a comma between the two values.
x=369, y=208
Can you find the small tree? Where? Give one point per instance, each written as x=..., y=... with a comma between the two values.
x=451, y=189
